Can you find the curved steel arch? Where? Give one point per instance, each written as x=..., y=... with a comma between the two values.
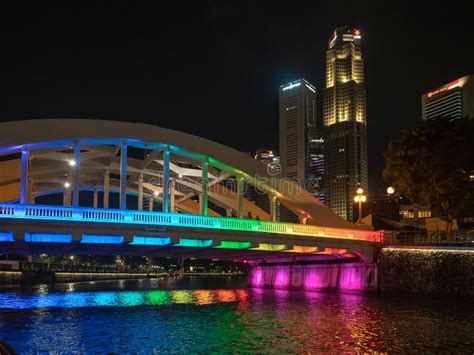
x=49, y=139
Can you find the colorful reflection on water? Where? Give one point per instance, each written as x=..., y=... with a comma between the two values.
x=119, y=299
x=136, y=316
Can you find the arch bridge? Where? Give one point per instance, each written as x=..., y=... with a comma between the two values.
x=71, y=186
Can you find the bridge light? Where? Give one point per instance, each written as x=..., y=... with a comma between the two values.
x=360, y=190
x=363, y=198
x=66, y=185
x=180, y=176
x=356, y=199
x=155, y=193
x=72, y=162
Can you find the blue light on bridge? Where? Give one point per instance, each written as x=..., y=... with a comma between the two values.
x=6, y=237
x=48, y=238
x=101, y=239
x=144, y=240
x=196, y=243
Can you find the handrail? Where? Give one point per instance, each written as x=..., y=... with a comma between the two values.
x=101, y=215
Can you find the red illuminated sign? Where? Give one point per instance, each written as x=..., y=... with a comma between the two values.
x=446, y=87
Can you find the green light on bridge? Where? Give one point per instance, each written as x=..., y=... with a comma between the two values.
x=196, y=243
x=225, y=244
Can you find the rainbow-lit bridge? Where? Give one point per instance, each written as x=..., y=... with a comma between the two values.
x=76, y=186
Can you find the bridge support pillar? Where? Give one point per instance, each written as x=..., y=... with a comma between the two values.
x=67, y=196
x=172, y=202
x=273, y=207
x=140, y=192
x=166, y=179
x=25, y=158
x=203, y=197
x=106, y=189
x=150, y=203
x=95, y=200
x=123, y=175
x=30, y=199
x=76, y=175
x=240, y=197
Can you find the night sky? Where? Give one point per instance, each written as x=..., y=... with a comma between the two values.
x=213, y=68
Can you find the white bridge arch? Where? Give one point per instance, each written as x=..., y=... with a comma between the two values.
x=40, y=156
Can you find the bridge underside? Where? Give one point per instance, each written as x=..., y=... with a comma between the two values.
x=175, y=251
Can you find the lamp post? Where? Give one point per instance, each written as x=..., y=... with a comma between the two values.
x=390, y=192
x=360, y=198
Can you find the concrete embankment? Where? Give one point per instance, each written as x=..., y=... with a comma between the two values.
x=347, y=277
x=36, y=277
x=426, y=271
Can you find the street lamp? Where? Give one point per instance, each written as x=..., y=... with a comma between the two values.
x=390, y=190
x=360, y=198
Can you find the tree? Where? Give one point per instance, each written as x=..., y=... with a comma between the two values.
x=433, y=165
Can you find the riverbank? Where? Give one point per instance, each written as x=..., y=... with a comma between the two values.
x=37, y=277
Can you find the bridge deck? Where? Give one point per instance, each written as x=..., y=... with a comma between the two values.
x=146, y=232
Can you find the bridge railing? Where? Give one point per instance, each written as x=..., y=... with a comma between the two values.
x=99, y=215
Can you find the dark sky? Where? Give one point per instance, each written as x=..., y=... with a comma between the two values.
x=213, y=68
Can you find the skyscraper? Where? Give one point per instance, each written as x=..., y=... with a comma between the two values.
x=300, y=144
x=451, y=101
x=344, y=120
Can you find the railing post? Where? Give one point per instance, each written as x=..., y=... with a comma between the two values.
x=76, y=176
x=25, y=157
x=140, y=192
x=106, y=189
x=123, y=175
x=166, y=179
x=203, y=197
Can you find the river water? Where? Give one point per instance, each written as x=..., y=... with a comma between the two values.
x=222, y=315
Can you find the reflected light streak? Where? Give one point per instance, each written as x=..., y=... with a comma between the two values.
x=203, y=297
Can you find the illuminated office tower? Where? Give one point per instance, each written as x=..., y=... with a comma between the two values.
x=299, y=140
x=297, y=123
x=344, y=120
x=451, y=101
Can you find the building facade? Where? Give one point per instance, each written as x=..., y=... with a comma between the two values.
x=260, y=198
x=344, y=121
x=451, y=101
x=301, y=143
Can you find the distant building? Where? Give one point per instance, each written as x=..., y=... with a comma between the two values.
x=268, y=157
x=344, y=120
x=297, y=123
x=316, y=162
x=265, y=155
x=452, y=101
x=300, y=141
